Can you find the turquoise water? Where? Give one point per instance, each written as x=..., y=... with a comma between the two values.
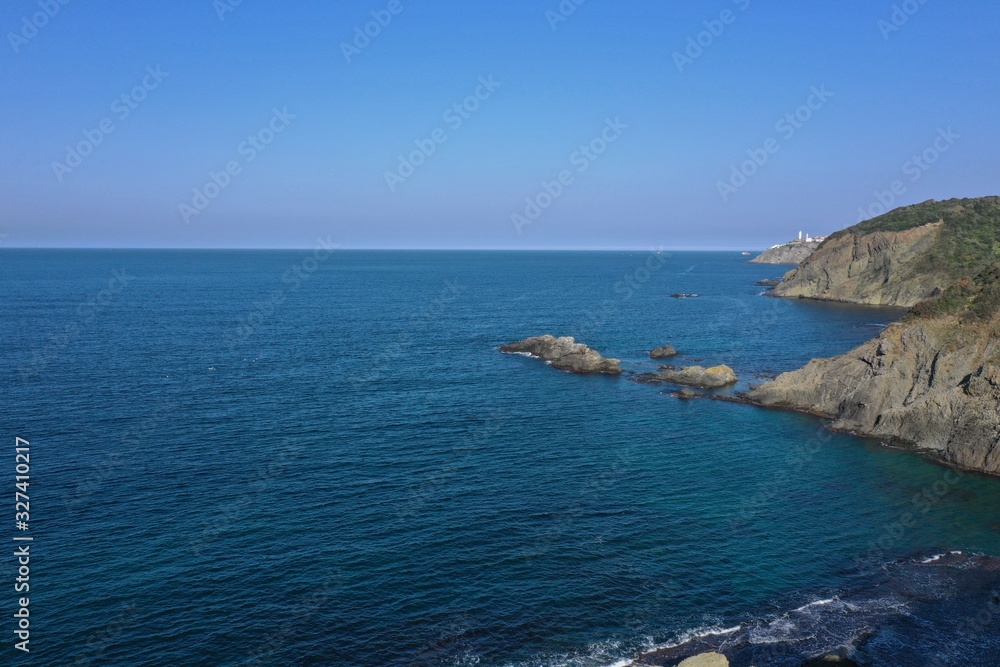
x=236, y=461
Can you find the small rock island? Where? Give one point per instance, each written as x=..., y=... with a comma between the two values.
x=565, y=354
x=703, y=378
x=663, y=352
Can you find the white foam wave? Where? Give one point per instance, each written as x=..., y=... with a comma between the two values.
x=937, y=557
x=700, y=633
x=599, y=654
x=817, y=603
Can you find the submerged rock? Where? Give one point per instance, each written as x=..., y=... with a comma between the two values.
x=941, y=610
x=696, y=376
x=565, y=353
x=835, y=659
x=663, y=352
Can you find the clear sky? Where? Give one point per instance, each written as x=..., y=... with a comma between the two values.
x=117, y=115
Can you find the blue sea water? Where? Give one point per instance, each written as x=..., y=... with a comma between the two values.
x=289, y=458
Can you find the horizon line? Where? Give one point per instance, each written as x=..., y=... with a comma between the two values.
x=398, y=249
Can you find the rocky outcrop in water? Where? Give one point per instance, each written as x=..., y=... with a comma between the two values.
x=792, y=252
x=566, y=354
x=930, y=383
x=697, y=376
x=663, y=352
x=768, y=282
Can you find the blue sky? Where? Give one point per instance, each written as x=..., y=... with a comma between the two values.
x=296, y=137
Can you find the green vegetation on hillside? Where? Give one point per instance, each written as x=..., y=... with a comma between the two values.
x=969, y=240
x=977, y=298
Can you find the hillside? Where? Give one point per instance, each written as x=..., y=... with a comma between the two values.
x=902, y=257
x=932, y=380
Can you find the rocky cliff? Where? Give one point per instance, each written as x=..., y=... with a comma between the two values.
x=931, y=380
x=793, y=252
x=902, y=257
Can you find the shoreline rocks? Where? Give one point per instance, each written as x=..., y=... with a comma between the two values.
x=715, y=377
x=929, y=384
x=663, y=352
x=565, y=354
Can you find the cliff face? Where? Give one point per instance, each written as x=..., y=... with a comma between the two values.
x=879, y=268
x=931, y=383
x=902, y=257
x=794, y=252
x=931, y=380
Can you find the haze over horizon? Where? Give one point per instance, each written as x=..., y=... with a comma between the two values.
x=731, y=124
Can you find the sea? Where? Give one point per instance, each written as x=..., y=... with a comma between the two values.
x=316, y=457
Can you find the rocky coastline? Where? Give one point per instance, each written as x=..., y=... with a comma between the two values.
x=793, y=252
x=565, y=354
x=932, y=380
x=930, y=384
